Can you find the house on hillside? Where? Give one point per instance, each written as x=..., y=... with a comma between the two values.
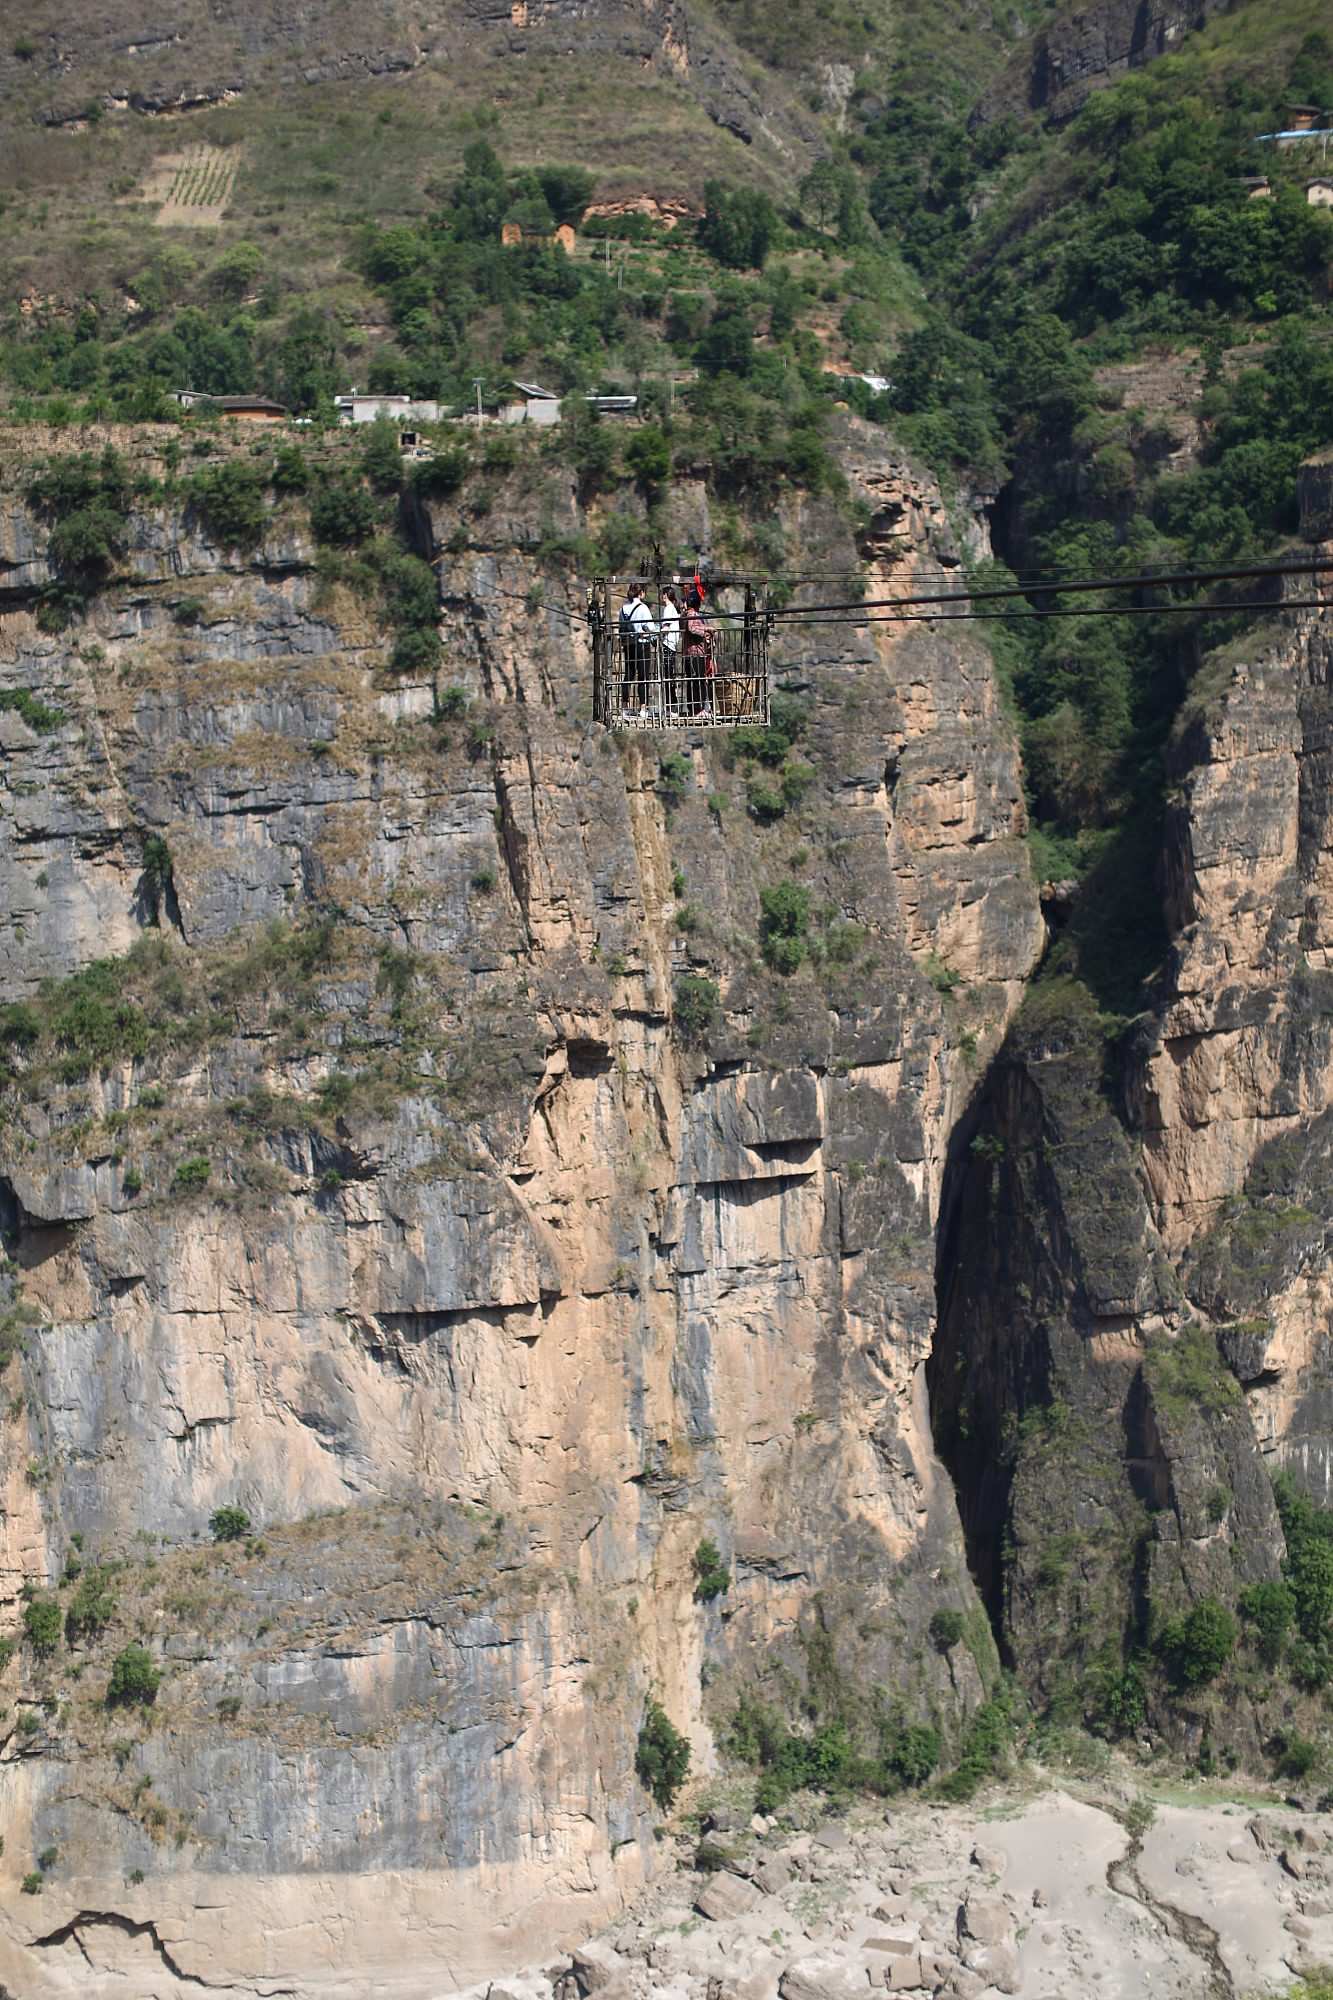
x=1318, y=189
x=514, y=234
x=533, y=405
x=237, y=409
x=612, y=406
x=358, y=406
x=1307, y=125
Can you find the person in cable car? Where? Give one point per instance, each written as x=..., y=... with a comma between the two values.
x=668, y=619
x=700, y=665
x=638, y=629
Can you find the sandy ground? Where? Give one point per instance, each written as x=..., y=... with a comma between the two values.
x=1050, y=1896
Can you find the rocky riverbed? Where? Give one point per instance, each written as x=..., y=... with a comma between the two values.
x=1051, y=1896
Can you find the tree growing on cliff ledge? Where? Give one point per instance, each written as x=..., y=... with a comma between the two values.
x=663, y=1756
x=134, y=1678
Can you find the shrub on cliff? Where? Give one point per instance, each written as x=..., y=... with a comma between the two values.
x=92, y=1607
x=946, y=1629
x=229, y=1524
x=985, y=1747
x=41, y=1625
x=91, y=1021
x=381, y=456
x=711, y=1576
x=229, y=500
x=191, y=1174
x=341, y=511
x=696, y=1007
x=29, y=708
x=1270, y=1608
x=663, y=1756
x=134, y=1678
x=1197, y=1646
x=1309, y=1565
x=784, y=924
x=88, y=498
x=1115, y=1699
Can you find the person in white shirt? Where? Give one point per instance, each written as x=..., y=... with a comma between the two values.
x=638, y=629
x=669, y=623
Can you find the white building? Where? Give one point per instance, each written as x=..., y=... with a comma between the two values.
x=537, y=406
x=358, y=407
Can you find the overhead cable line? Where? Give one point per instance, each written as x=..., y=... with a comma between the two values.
x=917, y=617
x=1065, y=587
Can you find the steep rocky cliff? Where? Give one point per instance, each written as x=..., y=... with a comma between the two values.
x=356, y=1175
x=145, y=63
x=1088, y=47
x=1134, y=1307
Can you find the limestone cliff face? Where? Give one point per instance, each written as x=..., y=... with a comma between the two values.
x=1134, y=1325
x=496, y=1294
x=1089, y=47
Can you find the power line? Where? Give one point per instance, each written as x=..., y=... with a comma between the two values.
x=1143, y=580
x=1090, y=611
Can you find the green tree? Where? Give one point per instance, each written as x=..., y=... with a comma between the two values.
x=307, y=361
x=648, y=455
x=1198, y=1646
x=381, y=456
x=946, y=1629
x=696, y=1006
x=134, y=1678
x=784, y=924
x=738, y=225
x=236, y=270
x=1270, y=1608
x=342, y=511
x=229, y=1524
x=663, y=1756
x=712, y=1578
x=92, y=1607
x=229, y=499
x=567, y=190
x=41, y=1625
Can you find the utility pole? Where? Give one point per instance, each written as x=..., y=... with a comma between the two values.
x=477, y=381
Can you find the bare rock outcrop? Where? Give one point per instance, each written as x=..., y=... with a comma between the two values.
x=391, y=1211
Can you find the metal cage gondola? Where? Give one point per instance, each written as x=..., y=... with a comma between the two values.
x=715, y=678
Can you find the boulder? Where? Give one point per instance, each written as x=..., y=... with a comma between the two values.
x=962, y=1985
x=905, y=1975
x=772, y=1876
x=985, y=1920
x=725, y=1895
x=596, y=1966
x=992, y=1859
x=997, y=1964
x=824, y=1976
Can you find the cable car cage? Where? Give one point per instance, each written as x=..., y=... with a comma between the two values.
x=719, y=681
